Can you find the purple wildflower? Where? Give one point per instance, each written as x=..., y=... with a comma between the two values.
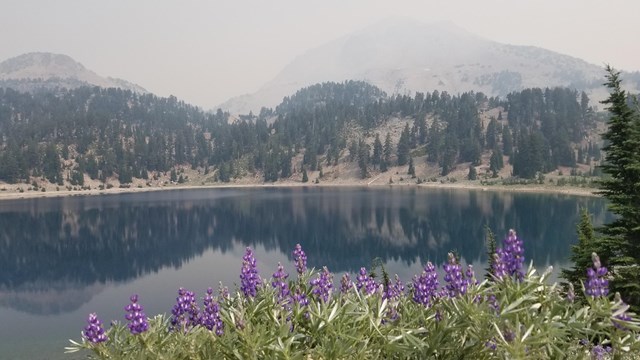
x=499, y=267
x=513, y=255
x=136, y=317
x=280, y=282
x=425, y=287
x=322, y=285
x=300, y=258
x=345, y=283
x=366, y=283
x=623, y=317
x=211, y=318
x=395, y=290
x=599, y=352
x=493, y=303
x=249, y=278
x=300, y=298
x=93, y=332
x=185, y=311
x=597, y=285
x=491, y=345
x=456, y=283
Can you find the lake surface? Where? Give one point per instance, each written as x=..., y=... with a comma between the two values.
x=62, y=258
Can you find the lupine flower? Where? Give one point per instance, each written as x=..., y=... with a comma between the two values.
x=513, y=255
x=93, y=332
x=499, y=267
x=366, y=283
x=322, y=285
x=280, y=282
x=223, y=291
x=211, y=318
x=185, y=311
x=395, y=290
x=345, y=283
x=623, y=316
x=491, y=344
x=136, y=317
x=493, y=303
x=456, y=283
x=599, y=352
x=300, y=298
x=471, y=275
x=596, y=284
x=300, y=259
x=425, y=287
x=249, y=279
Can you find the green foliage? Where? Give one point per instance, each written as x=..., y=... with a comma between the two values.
x=533, y=321
x=305, y=177
x=581, y=253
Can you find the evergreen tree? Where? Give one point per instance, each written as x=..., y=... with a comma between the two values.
x=581, y=253
x=621, y=244
x=376, y=158
x=404, y=145
x=473, y=174
x=412, y=170
x=305, y=177
x=507, y=141
x=491, y=250
x=495, y=162
x=387, y=151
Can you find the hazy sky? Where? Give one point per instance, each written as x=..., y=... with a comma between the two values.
x=206, y=51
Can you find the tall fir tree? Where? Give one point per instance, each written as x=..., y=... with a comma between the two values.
x=620, y=245
x=581, y=253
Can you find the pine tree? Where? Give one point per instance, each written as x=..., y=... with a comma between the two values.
x=387, y=150
x=621, y=244
x=412, y=170
x=581, y=253
x=473, y=174
x=305, y=177
x=404, y=145
x=491, y=250
x=376, y=158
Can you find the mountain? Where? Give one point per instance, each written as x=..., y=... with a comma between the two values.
x=39, y=70
x=404, y=56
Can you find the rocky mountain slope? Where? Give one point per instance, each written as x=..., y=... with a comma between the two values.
x=403, y=56
x=39, y=70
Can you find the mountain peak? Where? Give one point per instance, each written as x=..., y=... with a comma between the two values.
x=404, y=55
x=34, y=70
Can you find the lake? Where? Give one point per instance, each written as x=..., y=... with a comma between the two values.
x=62, y=258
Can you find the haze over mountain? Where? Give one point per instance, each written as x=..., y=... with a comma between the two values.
x=401, y=55
x=38, y=70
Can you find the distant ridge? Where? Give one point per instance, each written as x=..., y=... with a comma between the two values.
x=401, y=55
x=42, y=70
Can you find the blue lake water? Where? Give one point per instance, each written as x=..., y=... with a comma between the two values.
x=62, y=258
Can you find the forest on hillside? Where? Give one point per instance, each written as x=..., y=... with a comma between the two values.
x=64, y=135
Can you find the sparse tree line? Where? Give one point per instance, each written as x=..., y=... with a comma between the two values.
x=62, y=135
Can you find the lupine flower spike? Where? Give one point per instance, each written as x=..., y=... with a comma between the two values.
x=93, y=332
x=249, y=279
x=425, y=287
x=597, y=285
x=185, y=313
x=300, y=259
x=322, y=285
x=211, y=318
x=136, y=317
x=366, y=284
x=279, y=282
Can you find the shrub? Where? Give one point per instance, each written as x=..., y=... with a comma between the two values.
x=514, y=314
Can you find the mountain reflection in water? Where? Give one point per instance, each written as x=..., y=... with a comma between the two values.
x=65, y=250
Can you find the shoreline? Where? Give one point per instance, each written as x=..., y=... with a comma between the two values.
x=466, y=186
